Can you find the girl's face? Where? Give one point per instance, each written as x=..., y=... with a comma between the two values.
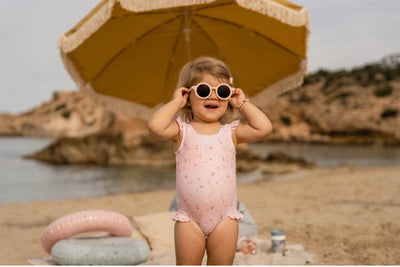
x=210, y=109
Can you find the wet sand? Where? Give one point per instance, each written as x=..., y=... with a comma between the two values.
x=343, y=215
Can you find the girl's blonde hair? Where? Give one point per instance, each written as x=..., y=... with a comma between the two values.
x=192, y=73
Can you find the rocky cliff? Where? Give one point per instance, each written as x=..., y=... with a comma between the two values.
x=66, y=114
x=330, y=113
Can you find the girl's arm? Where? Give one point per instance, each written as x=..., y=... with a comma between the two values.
x=258, y=127
x=162, y=124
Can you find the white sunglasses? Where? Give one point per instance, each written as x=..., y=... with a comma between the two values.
x=203, y=90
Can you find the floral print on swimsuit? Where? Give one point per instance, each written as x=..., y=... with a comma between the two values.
x=206, y=177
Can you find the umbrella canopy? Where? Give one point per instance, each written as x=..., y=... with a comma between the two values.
x=128, y=53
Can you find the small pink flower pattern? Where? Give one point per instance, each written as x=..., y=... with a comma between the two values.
x=206, y=186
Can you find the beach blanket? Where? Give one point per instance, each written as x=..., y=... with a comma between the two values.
x=157, y=230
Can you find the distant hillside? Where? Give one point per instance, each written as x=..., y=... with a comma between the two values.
x=388, y=69
x=356, y=106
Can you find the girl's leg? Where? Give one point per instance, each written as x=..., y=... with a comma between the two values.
x=190, y=243
x=221, y=243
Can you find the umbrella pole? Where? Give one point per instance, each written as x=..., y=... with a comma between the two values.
x=187, y=31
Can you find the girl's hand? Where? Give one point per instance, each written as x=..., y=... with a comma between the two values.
x=181, y=95
x=237, y=97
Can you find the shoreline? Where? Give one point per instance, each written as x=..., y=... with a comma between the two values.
x=349, y=140
x=343, y=215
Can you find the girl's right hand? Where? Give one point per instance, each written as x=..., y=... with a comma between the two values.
x=182, y=95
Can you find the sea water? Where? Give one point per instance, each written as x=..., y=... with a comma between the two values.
x=30, y=180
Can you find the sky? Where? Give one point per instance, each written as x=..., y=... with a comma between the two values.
x=344, y=34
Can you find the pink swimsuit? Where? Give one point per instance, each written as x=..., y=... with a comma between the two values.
x=206, y=177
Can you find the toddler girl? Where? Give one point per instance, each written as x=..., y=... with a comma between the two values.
x=205, y=149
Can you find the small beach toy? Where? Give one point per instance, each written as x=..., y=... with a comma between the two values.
x=247, y=246
x=278, y=241
x=85, y=221
x=100, y=251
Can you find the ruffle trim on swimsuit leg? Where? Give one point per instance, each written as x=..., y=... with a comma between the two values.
x=235, y=214
x=181, y=216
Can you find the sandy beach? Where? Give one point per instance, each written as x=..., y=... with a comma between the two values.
x=343, y=215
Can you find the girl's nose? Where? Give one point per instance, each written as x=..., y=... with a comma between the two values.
x=213, y=95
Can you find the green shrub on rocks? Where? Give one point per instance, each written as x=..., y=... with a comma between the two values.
x=342, y=95
x=66, y=114
x=286, y=120
x=383, y=91
x=389, y=112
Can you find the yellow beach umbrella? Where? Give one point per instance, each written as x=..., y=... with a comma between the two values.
x=127, y=54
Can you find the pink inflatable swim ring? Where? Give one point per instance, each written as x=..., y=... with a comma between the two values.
x=85, y=221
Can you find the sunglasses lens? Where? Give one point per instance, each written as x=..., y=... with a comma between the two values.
x=203, y=90
x=223, y=91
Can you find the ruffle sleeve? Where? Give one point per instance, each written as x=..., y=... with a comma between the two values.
x=235, y=124
x=181, y=123
x=182, y=128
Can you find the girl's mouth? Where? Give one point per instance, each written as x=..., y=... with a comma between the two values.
x=211, y=106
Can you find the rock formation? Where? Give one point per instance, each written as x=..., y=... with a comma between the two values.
x=66, y=114
x=126, y=142
x=358, y=106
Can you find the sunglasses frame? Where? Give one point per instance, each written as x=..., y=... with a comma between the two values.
x=194, y=88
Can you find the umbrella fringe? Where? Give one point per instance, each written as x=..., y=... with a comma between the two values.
x=279, y=12
x=283, y=14
x=265, y=7
x=290, y=82
x=94, y=20
x=146, y=5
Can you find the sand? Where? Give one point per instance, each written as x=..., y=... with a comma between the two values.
x=343, y=215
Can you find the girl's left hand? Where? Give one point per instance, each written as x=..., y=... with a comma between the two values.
x=237, y=97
